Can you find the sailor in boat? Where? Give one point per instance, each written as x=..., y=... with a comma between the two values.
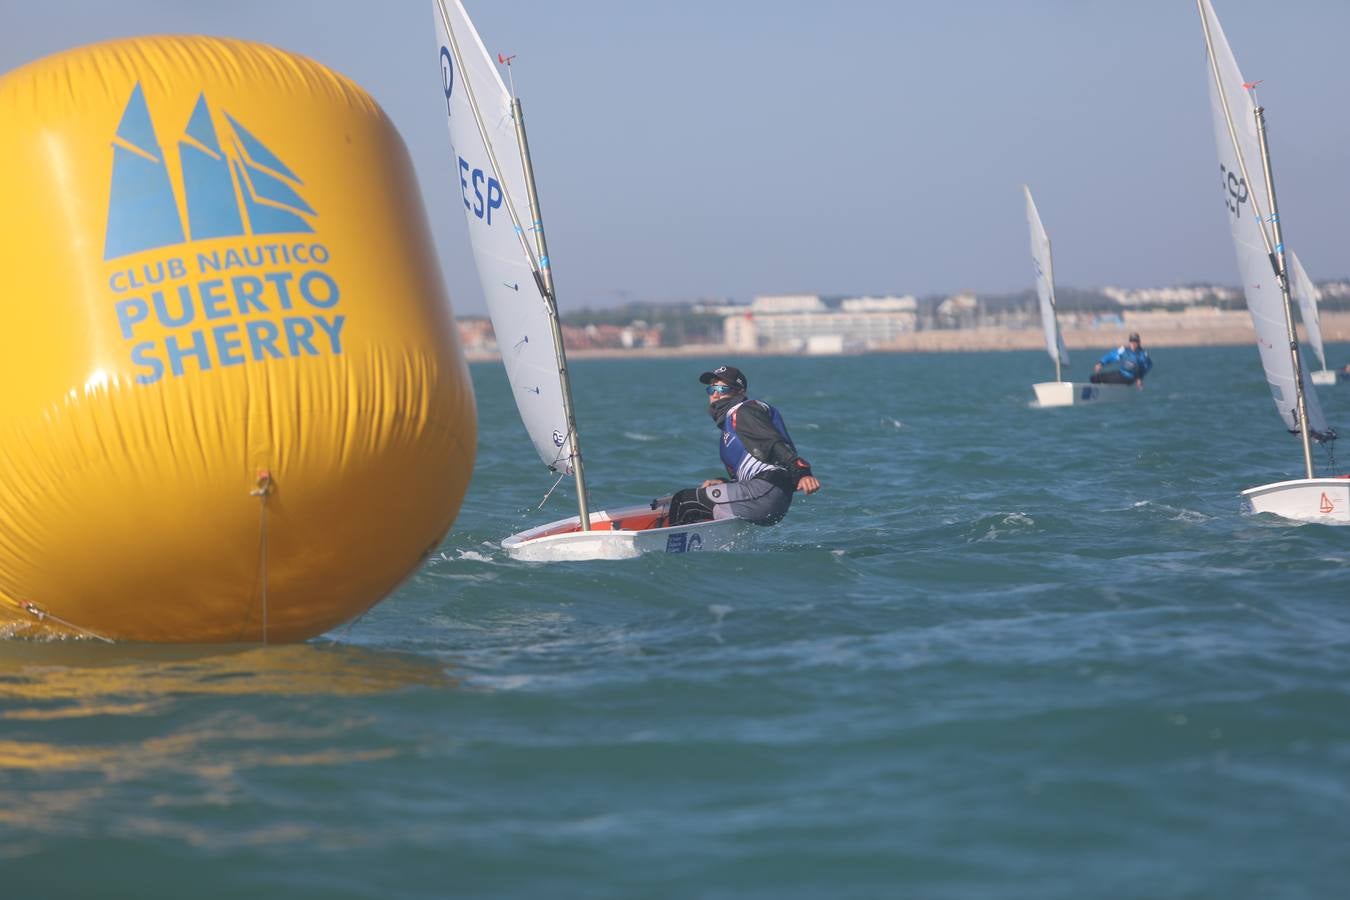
x=759, y=456
x=1132, y=362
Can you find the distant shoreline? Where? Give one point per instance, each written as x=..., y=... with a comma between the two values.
x=1213, y=328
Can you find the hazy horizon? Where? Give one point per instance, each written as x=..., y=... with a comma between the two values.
x=719, y=151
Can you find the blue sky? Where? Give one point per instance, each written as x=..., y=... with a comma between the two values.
x=723, y=148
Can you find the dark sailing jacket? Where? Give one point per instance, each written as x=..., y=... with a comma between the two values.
x=756, y=444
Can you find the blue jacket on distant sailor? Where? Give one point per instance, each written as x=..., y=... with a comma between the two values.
x=1134, y=364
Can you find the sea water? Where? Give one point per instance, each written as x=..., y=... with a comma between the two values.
x=1004, y=652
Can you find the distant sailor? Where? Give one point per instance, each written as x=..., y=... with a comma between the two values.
x=1133, y=363
x=759, y=456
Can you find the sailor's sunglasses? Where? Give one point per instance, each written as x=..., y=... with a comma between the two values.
x=719, y=389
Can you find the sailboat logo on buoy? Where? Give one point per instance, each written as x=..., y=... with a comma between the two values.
x=1326, y=506
x=233, y=184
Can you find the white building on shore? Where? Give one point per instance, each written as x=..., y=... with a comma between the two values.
x=1193, y=295
x=794, y=323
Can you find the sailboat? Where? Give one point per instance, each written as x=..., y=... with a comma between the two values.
x=1308, y=298
x=1059, y=392
x=1258, y=237
x=487, y=133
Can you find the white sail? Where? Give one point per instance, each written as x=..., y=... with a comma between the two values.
x=1244, y=196
x=1045, y=282
x=491, y=178
x=1308, y=298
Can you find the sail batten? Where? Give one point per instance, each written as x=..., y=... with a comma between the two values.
x=492, y=181
x=1244, y=192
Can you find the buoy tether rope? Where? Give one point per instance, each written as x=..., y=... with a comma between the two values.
x=263, y=489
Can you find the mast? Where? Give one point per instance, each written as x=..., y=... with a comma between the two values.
x=1050, y=283
x=1282, y=273
x=1274, y=253
x=1050, y=286
x=1055, y=312
x=1058, y=377
x=544, y=275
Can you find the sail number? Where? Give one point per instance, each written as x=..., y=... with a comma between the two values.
x=1234, y=190
x=482, y=207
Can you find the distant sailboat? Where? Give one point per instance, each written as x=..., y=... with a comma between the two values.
x=487, y=131
x=1059, y=392
x=1308, y=298
x=1258, y=237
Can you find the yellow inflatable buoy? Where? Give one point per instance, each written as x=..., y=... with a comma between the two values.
x=233, y=406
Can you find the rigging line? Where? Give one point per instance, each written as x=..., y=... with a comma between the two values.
x=346, y=629
x=263, y=489
x=561, y=454
x=561, y=476
x=262, y=515
x=41, y=615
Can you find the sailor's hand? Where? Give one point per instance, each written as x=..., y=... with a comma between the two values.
x=1139, y=384
x=712, y=481
x=809, y=484
x=1097, y=367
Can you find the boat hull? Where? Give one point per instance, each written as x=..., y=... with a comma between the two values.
x=1077, y=393
x=1322, y=500
x=1323, y=377
x=624, y=533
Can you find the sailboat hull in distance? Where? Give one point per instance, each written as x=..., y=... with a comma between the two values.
x=625, y=533
x=1322, y=500
x=1077, y=393
x=1323, y=377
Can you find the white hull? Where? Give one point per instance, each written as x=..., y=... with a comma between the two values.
x=1325, y=500
x=1076, y=393
x=1323, y=377
x=562, y=540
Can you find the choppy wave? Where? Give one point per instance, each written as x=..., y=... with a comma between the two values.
x=1000, y=654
